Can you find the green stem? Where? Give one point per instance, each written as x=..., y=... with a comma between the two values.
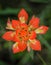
x=44, y=63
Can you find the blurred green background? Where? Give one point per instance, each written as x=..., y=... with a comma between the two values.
x=39, y=8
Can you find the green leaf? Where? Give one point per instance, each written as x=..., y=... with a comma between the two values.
x=3, y=63
x=45, y=13
x=44, y=42
x=40, y=1
x=25, y=59
x=9, y=11
x=31, y=53
x=44, y=63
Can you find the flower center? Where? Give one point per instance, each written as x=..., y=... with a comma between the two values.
x=23, y=34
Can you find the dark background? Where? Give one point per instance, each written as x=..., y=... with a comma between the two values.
x=39, y=8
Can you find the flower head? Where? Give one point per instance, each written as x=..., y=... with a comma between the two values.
x=24, y=35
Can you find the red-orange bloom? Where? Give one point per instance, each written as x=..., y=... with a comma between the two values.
x=24, y=35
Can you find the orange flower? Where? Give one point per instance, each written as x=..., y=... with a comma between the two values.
x=24, y=35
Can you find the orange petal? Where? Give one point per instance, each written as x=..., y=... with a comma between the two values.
x=22, y=46
x=18, y=31
x=15, y=38
x=41, y=30
x=15, y=24
x=23, y=13
x=32, y=35
x=15, y=48
x=24, y=26
x=34, y=22
x=35, y=45
x=8, y=36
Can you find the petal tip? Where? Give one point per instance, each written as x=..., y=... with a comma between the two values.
x=23, y=13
